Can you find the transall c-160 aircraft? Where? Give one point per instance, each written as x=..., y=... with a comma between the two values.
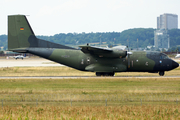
x=103, y=61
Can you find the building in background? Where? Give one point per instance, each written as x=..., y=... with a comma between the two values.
x=165, y=22
x=161, y=39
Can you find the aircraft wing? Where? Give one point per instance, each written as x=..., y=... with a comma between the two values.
x=103, y=52
x=95, y=50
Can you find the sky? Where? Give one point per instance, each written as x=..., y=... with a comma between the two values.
x=50, y=17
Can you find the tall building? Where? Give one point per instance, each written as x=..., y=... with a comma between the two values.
x=161, y=39
x=167, y=21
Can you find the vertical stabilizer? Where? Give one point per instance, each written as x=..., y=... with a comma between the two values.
x=19, y=32
x=20, y=35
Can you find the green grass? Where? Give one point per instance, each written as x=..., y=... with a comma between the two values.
x=94, y=90
x=93, y=85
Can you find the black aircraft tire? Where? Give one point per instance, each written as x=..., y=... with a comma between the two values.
x=104, y=73
x=161, y=73
x=111, y=74
x=98, y=74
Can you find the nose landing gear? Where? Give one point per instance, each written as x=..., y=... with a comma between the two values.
x=161, y=73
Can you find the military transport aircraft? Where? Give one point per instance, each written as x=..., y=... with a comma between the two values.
x=103, y=61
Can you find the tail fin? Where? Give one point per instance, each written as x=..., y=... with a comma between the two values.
x=19, y=32
x=20, y=35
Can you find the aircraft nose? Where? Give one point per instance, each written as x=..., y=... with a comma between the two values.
x=174, y=64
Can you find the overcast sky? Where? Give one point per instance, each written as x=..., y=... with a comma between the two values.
x=49, y=17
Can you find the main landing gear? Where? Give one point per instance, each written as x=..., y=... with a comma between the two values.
x=104, y=73
x=161, y=73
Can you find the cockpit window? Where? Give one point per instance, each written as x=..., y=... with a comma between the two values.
x=157, y=56
x=163, y=56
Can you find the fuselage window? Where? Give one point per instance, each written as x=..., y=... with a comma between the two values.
x=82, y=62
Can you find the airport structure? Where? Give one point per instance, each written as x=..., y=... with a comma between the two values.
x=161, y=39
x=165, y=22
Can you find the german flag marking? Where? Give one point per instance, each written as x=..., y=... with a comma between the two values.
x=21, y=28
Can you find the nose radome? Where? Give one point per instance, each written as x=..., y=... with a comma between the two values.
x=174, y=64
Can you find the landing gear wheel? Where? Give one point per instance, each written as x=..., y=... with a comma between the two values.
x=104, y=73
x=98, y=74
x=161, y=73
x=111, y=74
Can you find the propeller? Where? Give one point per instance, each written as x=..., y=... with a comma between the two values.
x=128, y=56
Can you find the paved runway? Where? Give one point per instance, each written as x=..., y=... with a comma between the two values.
x=84, y=77
x=28, y=62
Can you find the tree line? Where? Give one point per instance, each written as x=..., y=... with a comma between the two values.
x=140, y=37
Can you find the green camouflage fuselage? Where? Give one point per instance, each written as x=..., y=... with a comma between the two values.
x=140, y=61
